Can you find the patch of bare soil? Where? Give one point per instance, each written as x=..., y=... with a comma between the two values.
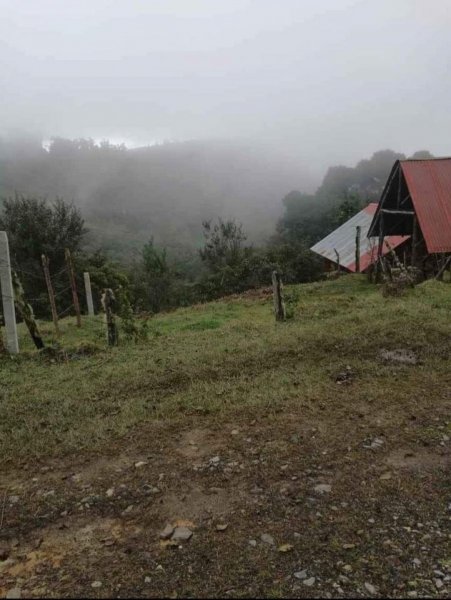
x=419, y=460
x=400, y=356
x=197, y=443
x=198, y=504
x=324, y=502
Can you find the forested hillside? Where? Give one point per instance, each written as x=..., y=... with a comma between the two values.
x=164, y=191
x=172, y=224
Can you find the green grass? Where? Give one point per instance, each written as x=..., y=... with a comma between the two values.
x=223, y=357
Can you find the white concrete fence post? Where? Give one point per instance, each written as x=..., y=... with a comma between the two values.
x=88, y=294
x=9, y=312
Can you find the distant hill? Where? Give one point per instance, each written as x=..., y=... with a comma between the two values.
x=166, y=190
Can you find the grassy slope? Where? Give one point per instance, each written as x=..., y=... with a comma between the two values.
x=223, y=380
x=226, y=356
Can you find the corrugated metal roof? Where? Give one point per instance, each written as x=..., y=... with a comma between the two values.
x=429, y=183
x=343, y=240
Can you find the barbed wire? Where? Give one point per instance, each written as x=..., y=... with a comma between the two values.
x=66, y=289
x=96, y=326
x=65, y=310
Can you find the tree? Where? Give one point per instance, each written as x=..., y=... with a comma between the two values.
x=155, y=280
x=35, y=227
x=421, y=155
x=103, y=273
x=350, y=206
x=158, y=276
x=223, y=244
x=304, y=218
x=227, y=260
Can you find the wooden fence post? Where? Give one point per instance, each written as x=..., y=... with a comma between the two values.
x=279, y=305
x=88, y=290
x=446, y=263
x=9, y=313
x=338, y=259
x=48, y=281
x=108, y=301
x=73, y=285
x=413, y=258
x=26, y=312
x=357, y=248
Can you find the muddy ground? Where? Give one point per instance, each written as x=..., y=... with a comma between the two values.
x=377, y=525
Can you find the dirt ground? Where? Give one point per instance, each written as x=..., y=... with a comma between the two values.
x=377, y=525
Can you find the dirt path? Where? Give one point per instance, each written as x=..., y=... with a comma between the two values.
x=350, y=507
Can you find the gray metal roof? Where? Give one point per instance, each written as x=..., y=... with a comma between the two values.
x=343, y=240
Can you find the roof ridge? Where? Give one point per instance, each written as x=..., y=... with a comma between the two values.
x=435, y=158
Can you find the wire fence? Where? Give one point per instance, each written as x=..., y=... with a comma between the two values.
x=31, y=279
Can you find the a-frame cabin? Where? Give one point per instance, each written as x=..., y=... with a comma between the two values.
x=416, y=201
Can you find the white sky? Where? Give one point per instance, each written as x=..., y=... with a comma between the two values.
x=327, y=80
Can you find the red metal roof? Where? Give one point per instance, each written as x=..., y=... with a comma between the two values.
x=429, y=183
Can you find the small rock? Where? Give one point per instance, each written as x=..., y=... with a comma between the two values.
x=140, y=464
x=348, y=546
x=374, y=444
x=234, y=432
x=385, y=476
x=301, y=574
x=147, y=580
x=215, y=460
x=309, y=582
x=14, y=593
x=153, y=490
x=96, y=584
x=323, y=488
x=221, y=526
x=167, y=532
x=14, y=500
x=438, y=583
x=412, y=594
x=347, y=569
x=181, y=534
x=439, y=573
x=252, y=543
x=110, y=492
x=370, y=588
x=285, y=548
x=267, y=539
x=416, y=562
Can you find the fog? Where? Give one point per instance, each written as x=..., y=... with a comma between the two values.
x=325, y=82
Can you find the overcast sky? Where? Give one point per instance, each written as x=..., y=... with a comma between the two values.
x=328, y=81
